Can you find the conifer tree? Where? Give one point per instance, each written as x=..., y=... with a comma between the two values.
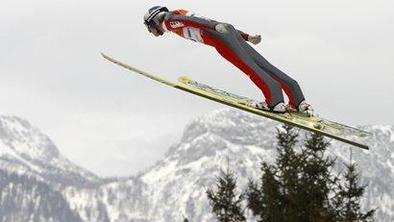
x=273, y=199
x=288, y=168
x=297, y=187
x=224, y=201
x=265, y=201
x=315, y=181
x=348, y=198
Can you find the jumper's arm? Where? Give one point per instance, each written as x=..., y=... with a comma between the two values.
x=191, y=21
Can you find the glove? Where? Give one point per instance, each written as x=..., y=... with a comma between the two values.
x=254, y=39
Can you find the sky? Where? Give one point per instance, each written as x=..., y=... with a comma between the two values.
x=116, y=124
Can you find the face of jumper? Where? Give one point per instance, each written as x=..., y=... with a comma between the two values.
x=156, y=30
x=154, y=21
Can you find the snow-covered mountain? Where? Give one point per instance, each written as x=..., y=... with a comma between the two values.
x=33, y=174
x=175, y=187
x=25, y=150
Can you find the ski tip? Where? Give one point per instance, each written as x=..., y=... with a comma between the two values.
x=108, y=58
x=103, y=55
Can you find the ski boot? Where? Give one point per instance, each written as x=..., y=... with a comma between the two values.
x=278, y=108
x=303, y=108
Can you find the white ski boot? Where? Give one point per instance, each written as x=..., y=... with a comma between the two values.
x=303, y=108
x=279, y=108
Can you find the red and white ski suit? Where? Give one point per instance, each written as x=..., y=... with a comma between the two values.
x=232, y=45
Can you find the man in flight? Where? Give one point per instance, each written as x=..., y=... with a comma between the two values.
x=232, y=45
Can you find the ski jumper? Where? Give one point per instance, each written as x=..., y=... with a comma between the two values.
x=232, y=45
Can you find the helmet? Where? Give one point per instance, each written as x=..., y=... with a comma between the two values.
x=151, y=21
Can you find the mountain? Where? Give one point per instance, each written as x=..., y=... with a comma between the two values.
x=175, y=186
x=26, y=150
x=35, y=175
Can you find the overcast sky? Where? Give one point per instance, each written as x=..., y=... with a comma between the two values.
x=115, y=124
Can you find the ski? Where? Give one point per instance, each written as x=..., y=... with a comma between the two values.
x=331, y=129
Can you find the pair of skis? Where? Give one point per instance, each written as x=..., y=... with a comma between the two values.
x=327, y=128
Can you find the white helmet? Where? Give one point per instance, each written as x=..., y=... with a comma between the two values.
x=152, y=22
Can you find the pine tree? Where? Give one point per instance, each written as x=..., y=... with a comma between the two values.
x=224, y=201
x=298, y=186
x=315, y=181
x=288, y=165
x=348, y=198
x=265, y=201
x=274, y=199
